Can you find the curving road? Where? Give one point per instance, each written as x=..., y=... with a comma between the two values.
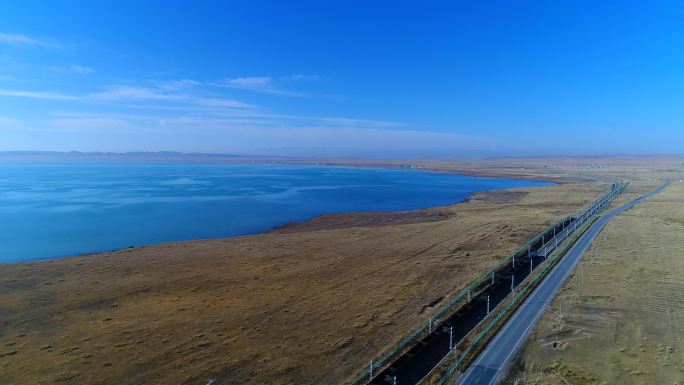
x=489, y=367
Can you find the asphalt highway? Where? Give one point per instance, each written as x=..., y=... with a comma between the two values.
x=492, y=363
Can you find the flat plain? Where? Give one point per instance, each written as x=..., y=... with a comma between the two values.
x=309, y=303
x=620, y=317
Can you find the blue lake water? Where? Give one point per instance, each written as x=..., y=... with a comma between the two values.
x=49, y=211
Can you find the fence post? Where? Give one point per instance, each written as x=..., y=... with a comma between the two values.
x=370, y=371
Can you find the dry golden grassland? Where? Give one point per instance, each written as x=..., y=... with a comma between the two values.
x=308, y=304
x=623, y=309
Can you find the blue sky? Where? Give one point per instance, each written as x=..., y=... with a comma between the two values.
x=351, y=78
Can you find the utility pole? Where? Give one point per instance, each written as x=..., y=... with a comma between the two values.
x=492, y=277
x=450, y=329
x=487, y=305
x=530, y=266
x=451, y=337
x=512, y=283
x=370, y=371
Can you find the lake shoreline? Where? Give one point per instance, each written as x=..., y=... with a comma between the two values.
x=338, y=288
x=329, y=221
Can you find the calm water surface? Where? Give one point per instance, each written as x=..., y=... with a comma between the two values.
x=49, y=211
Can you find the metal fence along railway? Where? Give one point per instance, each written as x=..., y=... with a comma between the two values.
x=491, y=360
x=409, y=360
x=583, y=222
x=480, y=338
x=582, y=216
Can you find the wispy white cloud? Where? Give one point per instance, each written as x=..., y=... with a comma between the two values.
x=8, y=122
x=263, y=84
x=15, y=39
x=167, y=92
x=38, y=95
x=234, y=115
x=253, y=132
x=72, y=68
x=93, y=124
x=222, y=102
x=170, y=97
x=125, y=92
x=299, y=77
x=250, y=82
x=346, y=122
x=191, y=115
x=177, y=85
x=273, y=133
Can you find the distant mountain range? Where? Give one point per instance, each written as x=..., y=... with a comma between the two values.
x=136, y=156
